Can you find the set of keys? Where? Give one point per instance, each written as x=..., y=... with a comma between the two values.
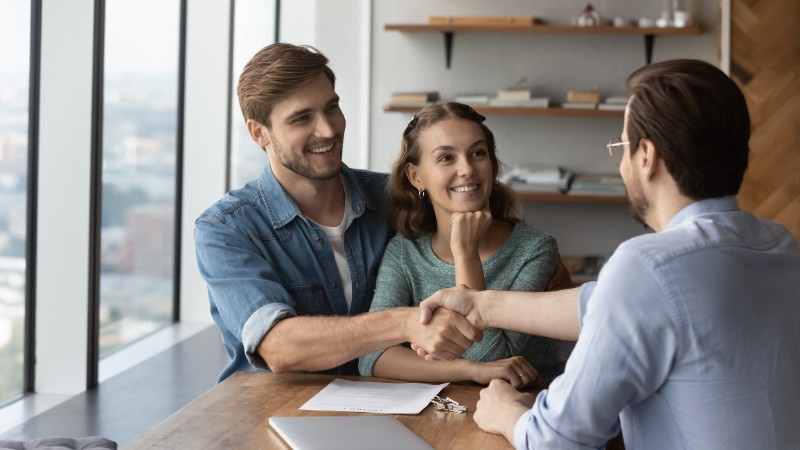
x=448, y=404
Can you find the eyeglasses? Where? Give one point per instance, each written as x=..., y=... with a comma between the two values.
x=616, y=149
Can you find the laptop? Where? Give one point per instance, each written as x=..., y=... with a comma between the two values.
x=346, y=432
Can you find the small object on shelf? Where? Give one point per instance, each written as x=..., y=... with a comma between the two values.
x=533, y=102
x=589, y=17
x=583, y=268
x=482, y=20
x=514, y=93
x=590, y=96
x=609, y=184
x=614, y=103
x=579, y=105
x=582, y=99
x=620, y=22
x=681, y=19
x=611, y=106
x=414, y=97
x=645, y=22
x=472, y=99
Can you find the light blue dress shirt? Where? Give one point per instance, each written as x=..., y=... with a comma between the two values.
x=263, y=261
x=690, y=339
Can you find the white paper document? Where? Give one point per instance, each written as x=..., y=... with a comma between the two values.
x=373, y=397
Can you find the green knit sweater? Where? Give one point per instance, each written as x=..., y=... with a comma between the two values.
x=410, y=272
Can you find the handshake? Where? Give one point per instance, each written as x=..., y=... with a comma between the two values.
x=453, y=316
x=452, y=319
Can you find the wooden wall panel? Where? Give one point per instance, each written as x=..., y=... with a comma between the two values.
x=765, y=63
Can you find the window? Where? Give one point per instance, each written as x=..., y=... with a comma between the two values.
x=249, y=37
x=139, y=173
x=14, y=91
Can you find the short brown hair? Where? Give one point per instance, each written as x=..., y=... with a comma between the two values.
x=275, y=71
x=411, y=215
x=697, y=118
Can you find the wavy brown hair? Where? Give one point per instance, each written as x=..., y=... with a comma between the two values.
x=412, y=215
x=275, y=71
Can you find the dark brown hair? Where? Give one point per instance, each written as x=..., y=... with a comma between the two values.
x=411, y=215
x=697, y=118
x=275, y=71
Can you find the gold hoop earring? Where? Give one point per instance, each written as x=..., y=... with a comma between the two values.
x=421, y=194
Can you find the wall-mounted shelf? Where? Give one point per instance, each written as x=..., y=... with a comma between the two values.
x=649, y=33
x=567, y=198
x=492, y=110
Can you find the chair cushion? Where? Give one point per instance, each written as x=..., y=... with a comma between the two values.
x=61, y=443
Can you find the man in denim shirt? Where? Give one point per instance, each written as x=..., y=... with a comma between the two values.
x=290, y=259
x=690, y=338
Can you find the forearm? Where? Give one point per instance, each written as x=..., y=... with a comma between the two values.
x=469, y=271
x=320, y=343
x=551, y=314
x=402, y=363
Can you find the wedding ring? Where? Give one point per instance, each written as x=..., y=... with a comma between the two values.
x=522, y=374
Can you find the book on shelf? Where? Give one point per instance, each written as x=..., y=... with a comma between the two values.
x=537, y=178
x=591, y=96
x=533, y=102
x=513, y=93
x=579, y=105
x=482, y=20
x=583, y=268
x=414, y=97
x=597, y=184
x=614, y=103
x=611, y=106
x=472, y=99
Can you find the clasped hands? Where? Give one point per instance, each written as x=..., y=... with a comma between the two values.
x=500, y=404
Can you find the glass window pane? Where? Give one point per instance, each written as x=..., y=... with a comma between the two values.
x=14, y=90
x=254, y=28
x=138, y=172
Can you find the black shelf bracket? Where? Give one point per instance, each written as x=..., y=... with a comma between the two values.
x=448, y=47
x=648, y=48
x=649, y=39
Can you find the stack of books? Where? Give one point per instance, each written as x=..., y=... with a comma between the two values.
x=614, y=103
x=518, y=97
x=420, y=99
x=597, y=184
x=537, y=178
x=581, y=100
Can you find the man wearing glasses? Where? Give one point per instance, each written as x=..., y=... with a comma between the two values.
x=690, y=337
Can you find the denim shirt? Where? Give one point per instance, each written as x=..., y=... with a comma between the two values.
x=263, y=261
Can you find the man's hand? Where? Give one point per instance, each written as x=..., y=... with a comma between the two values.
x=447, y=334
x=499, y=408
x=460, y=299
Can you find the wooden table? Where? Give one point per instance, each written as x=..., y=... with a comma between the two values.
x=234, y=414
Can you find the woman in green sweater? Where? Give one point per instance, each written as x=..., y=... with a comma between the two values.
x=458, y=225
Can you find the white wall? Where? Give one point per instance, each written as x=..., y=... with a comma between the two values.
x=552, y=64
x=341, y=30
x=205, y=134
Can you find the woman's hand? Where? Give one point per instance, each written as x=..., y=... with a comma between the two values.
x=515, y=370
x=468, y=229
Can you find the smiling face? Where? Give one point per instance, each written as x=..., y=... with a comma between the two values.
x=307, y=133
x=455, y=168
